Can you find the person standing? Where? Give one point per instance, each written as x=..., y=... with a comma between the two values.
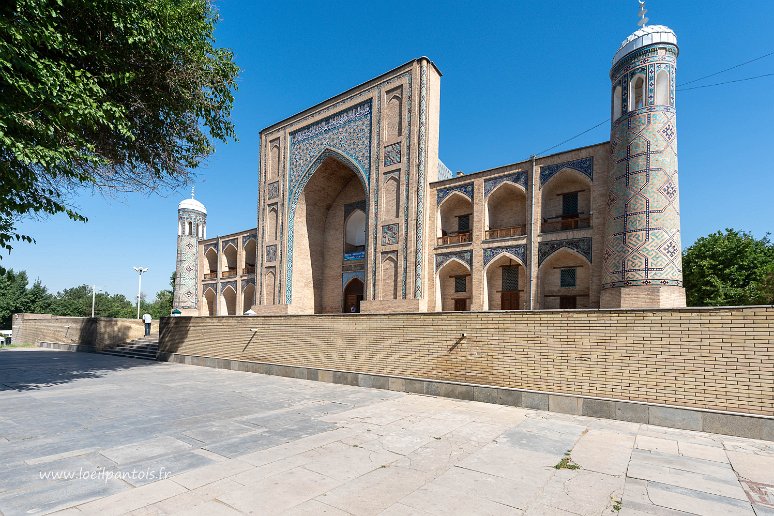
x=146, y=317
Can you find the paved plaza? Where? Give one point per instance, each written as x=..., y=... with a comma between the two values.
x=93, y=434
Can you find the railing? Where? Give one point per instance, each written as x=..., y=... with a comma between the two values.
x=551, y=226
x=248, y=269
x=512, y=231
x=455, y=238
x=228, y=274
x=210, y=275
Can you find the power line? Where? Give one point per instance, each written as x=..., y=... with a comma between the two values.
x=571, y=139
x=679, y=88
x=725, y=82
x=725, y=70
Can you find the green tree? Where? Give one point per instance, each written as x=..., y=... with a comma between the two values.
x=116, y=95
x=731, y=268
x=16, y=297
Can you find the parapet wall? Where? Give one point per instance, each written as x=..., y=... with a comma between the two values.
x=709, y=359
x=97, y=333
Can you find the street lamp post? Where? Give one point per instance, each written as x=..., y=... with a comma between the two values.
x=93, y=298
x=139, y=271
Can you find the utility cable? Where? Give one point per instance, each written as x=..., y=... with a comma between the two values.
x=725, y=70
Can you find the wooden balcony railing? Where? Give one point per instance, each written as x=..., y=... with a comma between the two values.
x=211, y=275
x=454, y=238
x=229, y=274
x=248, y=269
x=580, y=222
x=510, y=232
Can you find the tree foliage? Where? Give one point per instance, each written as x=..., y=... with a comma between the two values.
x=124, y=95
x=17, y=297
x=731, y=268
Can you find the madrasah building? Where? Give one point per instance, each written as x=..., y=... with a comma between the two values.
x=356, y=213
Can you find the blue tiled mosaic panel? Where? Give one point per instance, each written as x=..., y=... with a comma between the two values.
x=584, y=165
x=518, y=178
x=226, y=243
x=463, y=256
x=444, y=172
x=466, y=190
x=271, y=253
x=347, y=132
x=272, y=191
x=247, y=237
x=392, y=154
x=227, y=284
x=248, y=281
x=580, y=245
x=390, y=234
x=519, y=251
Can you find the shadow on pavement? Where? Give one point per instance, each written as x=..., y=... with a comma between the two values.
x=22, y=370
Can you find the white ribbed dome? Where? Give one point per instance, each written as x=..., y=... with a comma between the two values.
x=192, y=204
x=647, y=35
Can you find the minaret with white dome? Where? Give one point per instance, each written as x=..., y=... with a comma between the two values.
x=191, y=227
x=643, y=254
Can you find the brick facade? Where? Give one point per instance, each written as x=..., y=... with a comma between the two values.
x=716, y=359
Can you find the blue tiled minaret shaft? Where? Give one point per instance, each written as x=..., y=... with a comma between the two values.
x=642, y=237
x=191, y=227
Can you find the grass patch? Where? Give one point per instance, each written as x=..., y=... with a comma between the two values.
x=16, y=346
x=617, y=505
x=567, y=463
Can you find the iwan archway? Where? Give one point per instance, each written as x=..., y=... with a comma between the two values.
x=329, y=235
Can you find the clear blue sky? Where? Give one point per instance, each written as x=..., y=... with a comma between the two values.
x=519, y=77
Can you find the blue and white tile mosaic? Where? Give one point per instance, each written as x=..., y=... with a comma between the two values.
x=390, y=234
x=248, y=281
x=463, y=256
x=444, y=172
x=443, y=193
x=517, y=178
x=519, y=251
x=392, y=154
x=271, y=253
x=228, y=284
x=584, y=165
x=580, y=245
x=272, y=190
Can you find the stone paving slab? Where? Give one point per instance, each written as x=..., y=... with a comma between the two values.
x=145, y=438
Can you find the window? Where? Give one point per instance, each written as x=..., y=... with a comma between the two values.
x=460, y=284
x=637, y=93
x=570, y=204
x=567, y=278
x=662, y=88
x=463, y=223
x=510, y=278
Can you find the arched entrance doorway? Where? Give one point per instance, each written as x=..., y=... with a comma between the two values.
x=353, y=295
x=329, y=226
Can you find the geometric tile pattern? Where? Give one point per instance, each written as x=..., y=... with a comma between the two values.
x=227, y=284
x=580, y=245
x=642, y=240
x=390, y=234
x=443, y=193
x=392, y=154
x=347, y=132
x=517, y=178
x=444, y=172
x=519, y=251
x=271, y=253
x=187, y=263
x=248, y=281
x=421, y=165
x=248, y=237
x=463, y=256
x=272, y=190
x=584, y=165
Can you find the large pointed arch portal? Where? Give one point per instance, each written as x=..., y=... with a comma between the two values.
x=323, y=242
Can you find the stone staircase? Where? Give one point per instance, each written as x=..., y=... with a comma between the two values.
x=146, y=348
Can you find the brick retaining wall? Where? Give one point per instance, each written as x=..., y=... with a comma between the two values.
x=97, y=333
x=718, y=359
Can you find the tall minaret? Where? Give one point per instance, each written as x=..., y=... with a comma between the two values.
x=191, y=227
x=642, y=257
